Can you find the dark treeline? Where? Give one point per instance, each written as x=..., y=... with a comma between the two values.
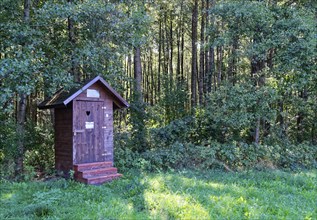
x=230, y=82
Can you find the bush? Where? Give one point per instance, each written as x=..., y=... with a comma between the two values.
x=229, y=156
x=39, y=150
x=124, y=156
x=190, y=143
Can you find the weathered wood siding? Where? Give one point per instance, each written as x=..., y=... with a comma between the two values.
x=63, y=139
x=108, y=129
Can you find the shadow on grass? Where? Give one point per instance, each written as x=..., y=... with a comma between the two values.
x=182, y=195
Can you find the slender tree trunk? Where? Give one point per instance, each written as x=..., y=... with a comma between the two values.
x=178, y=42
x=313, y=131
x=159, y=60
x=21, y=110
x=207, y=69
x=257, y=64
x=202, y=54
x=281, y=119
x=171, y=53
x=137, y=111
x=300, y=117
x=130, y=74
x=21, y=118
x=26, y=11
x=152, y=101
x=138, y=74
x=72, y=39
x=166, y=51
x=211, y=68
x=232, y=60
x=144, y=80
x=270, y=58
x=148, y=92
x=257, y=130
x=194, y=53
x=182, y=48
x=219, y=61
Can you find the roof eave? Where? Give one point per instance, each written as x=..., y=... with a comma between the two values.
x=98, y=78
x=51, y=106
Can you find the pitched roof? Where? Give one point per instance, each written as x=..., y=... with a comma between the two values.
x=62, y=97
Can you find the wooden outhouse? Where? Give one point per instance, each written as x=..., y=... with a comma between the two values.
x=84, y=130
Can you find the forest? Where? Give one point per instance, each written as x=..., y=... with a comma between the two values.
x=222, y=122
x=224, y=84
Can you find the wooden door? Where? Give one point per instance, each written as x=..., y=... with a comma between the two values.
x=88, y=134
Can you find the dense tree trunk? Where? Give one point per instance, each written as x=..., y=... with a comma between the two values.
x=194, y=54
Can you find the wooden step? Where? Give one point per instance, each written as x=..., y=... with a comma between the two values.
x=97, y=180
x=97, y=172
x=91, y=166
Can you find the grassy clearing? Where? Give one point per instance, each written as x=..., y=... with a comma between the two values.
x=185, y=195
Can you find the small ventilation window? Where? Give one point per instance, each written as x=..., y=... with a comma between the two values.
x=87, y=113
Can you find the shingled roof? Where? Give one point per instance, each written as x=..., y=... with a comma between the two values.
x=62, y=97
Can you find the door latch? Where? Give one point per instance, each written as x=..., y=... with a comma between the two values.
x=78, y=131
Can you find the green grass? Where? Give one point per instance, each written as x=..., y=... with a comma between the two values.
x=180, y=195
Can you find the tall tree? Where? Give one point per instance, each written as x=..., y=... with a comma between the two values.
x=72, y=39
x=202, y=54
x=21, y=116
x=194, y=54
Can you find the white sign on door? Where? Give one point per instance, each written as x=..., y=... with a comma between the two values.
x=89, y=125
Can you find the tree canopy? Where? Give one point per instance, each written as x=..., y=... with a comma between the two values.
x=202, y=75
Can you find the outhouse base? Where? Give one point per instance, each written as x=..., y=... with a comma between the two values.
x=95, y=173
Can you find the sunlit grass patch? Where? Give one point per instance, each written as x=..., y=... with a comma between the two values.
x=172, y=195
x=174, y=206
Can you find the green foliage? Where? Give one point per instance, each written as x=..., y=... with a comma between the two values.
x=236, y=155
x=232, y=112
x=125, y=157
x=36, y=58
x=177, y=130
x=40, y=148
x=39, y=155
x=193, y=142
x=173, y=101
x=184, y=195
